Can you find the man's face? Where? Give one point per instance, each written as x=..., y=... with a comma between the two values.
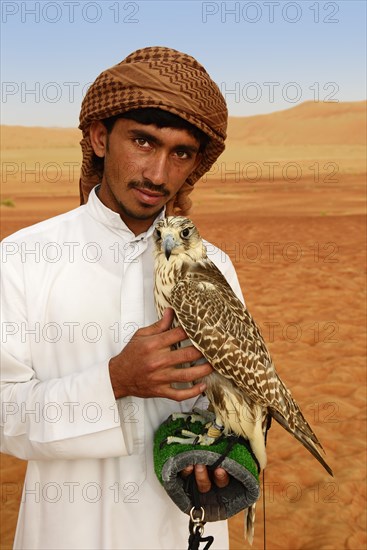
x=144, y=166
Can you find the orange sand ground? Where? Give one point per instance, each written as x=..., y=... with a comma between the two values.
x=298, y=246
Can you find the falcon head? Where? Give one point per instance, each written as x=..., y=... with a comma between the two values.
x=178, y=236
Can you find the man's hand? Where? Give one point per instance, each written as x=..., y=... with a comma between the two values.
x=203, y=481
x=146, y=367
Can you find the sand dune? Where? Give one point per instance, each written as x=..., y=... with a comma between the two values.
x=307, y=124
x=299, y=251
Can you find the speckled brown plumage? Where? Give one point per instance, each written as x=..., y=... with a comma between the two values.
x=245, y=387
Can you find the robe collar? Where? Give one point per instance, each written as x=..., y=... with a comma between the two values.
x=102, y=214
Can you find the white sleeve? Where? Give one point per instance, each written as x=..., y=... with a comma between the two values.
x=225, y=265
x=74, y=416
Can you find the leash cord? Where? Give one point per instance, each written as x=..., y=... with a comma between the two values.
x=264, y=510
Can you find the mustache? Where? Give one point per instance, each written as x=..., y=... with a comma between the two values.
x=149, y=186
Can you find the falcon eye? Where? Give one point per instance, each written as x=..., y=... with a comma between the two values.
x=158, y=233
x=185, y=233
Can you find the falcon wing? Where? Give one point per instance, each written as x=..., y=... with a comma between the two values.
x=220, y=326
x=223, y=330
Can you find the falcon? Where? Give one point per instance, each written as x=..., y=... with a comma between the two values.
x=244, y=390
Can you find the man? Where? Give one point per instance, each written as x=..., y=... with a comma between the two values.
x=88, y=373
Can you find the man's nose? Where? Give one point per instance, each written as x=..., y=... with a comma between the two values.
x=156, y=169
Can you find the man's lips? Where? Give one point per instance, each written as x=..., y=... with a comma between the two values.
x=147, y=196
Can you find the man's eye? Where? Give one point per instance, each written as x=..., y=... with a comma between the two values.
x=142, y=142
x=182, y=154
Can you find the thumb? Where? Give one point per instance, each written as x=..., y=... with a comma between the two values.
x=162, y=325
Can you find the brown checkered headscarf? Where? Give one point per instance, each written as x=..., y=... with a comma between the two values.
x=162, y=78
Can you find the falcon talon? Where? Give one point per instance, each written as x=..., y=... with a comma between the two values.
x=181, y=440
x=184, y=437
x=207, y=440
x=187, y=425
x=189, y=417
x=188, y=433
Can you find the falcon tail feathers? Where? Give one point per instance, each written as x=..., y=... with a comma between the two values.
x=249, y=523
x=306, y=441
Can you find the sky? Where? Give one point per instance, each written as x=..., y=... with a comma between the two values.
x=264, y=55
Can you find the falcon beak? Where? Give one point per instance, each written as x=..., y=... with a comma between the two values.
x=168, y=245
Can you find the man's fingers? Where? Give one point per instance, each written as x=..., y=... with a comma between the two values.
x=187, y=354
x=168, y=336
x=202, y=478
x=221, y=477
x=187, y=471
x=187, y=393
x=161, y=325
x=190, y=374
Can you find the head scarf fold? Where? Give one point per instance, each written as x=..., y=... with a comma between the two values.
x=162, y=78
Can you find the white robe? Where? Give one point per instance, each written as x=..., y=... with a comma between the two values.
x=75, y=288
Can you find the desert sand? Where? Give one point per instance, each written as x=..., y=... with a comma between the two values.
x=286, y=201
